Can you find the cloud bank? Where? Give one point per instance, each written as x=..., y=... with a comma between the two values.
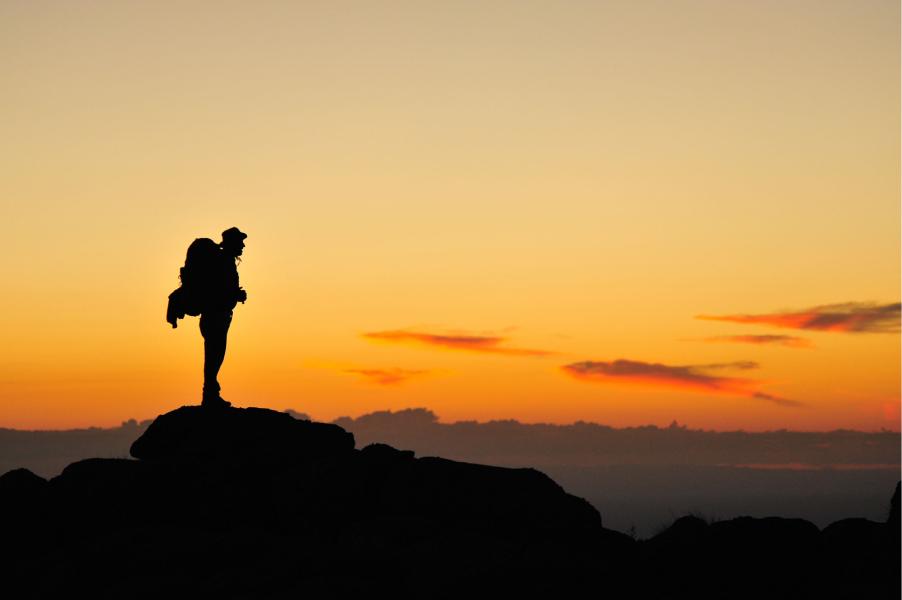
x=467, y=343
x=852, y=317
x=687, y=377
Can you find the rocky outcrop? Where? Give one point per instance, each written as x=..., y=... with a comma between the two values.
x=21, y=481
x=250, y=503
x=238, y=434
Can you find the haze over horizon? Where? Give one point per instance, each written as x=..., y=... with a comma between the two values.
x=619, y=212
x=144, y=420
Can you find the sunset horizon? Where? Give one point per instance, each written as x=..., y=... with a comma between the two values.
x=436, y=299
x=619, y=213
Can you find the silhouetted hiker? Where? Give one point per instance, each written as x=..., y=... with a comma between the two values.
x=210, y=289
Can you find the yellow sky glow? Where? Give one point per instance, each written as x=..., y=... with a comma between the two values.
x=583, y=179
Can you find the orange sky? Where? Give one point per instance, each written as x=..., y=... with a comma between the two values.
x=452, y=204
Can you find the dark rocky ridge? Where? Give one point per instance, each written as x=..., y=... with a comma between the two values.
x=258, y=434
x=250, y=503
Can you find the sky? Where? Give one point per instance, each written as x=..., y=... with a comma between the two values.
x=622, y=212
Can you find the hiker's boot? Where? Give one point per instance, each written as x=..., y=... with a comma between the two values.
x=214, y=401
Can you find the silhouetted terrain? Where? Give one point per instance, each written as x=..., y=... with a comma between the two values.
x=251, y=503
x=592, y=444
x=48, y=452
x=640, y=478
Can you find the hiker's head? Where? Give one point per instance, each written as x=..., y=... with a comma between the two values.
x=233, y=241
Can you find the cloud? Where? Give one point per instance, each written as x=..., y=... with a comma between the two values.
x=777, y=399
x=690, y=377
x=468, y=343
x=743, y=365
x=393, y=376
x=790, y=341
x=855, y=317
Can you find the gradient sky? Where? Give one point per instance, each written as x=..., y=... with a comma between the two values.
x=624, y=212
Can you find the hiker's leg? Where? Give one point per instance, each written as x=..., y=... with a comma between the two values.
x=214, y=326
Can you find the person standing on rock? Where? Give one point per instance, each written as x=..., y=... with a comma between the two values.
x=211, y=290
x=223, y=293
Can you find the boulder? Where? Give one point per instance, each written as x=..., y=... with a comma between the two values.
x=502, y=500
x=23, y=507
x=852, y=535
x=21, y=482
x=239, y=434
x=770, y=538
x=686, y=532
x=22, y=493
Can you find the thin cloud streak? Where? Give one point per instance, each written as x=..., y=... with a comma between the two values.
x=468, y=343
x=777, y=399
x=789, y=341
x=687, y=377
x=849, y=317
x=387, y=377
x=742, y=365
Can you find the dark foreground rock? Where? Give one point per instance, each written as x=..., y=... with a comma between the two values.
x=250, y=503
x=193, y=432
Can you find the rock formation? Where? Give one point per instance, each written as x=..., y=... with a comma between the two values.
x=251, y=503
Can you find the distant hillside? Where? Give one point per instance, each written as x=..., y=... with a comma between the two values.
x=510, y=442
x=592, y=444
x=48, y=452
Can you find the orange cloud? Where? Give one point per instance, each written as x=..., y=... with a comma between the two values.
x=856, y=317
x=394, y=376
x=691, y=377
x=469, y=343
x=789, y=341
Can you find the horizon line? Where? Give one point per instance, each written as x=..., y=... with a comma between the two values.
x=673, y=425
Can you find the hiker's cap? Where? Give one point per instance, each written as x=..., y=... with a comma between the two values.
x=233, y=233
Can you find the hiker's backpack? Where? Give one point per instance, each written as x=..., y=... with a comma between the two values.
x=199, y=272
